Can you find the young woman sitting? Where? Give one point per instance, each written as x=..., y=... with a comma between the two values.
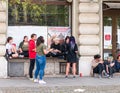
x=23, y=47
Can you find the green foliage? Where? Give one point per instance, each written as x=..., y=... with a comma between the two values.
x=38, y=13
x=34, y=10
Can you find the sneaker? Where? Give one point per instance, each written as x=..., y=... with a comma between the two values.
x=36, y=81
x=31, y=79
x=99, y=76
x=66, y=76
x=105, y=75
x=111, y=76
x=42, y=82
x=73, y=76
x=21, y=56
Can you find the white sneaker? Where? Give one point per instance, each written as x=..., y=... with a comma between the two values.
x=42, y=82
x=31, y=79
x=36, y=81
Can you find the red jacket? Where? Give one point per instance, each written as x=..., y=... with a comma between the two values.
x=32, y=53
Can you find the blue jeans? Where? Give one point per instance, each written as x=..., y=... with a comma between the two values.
x=40, y=66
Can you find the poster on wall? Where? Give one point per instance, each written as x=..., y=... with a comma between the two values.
x=18, y=32
x=107, y=37
x=58, y=32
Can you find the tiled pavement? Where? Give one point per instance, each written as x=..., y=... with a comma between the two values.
x=61, y=85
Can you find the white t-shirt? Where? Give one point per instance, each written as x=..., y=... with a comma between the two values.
x=9, y=47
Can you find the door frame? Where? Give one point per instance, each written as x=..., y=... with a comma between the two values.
x=114, y=14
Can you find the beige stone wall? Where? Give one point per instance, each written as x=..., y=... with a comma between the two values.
x=3, y=30
x=89, y=33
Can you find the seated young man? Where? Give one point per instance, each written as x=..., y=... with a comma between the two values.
x=98, y=66
x=11, y=51
x=117, y=64
x=56, y=48
x=109, y=65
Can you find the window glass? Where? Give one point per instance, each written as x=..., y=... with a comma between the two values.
x=26, y=13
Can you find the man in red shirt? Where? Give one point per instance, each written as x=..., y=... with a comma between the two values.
x=32, y=54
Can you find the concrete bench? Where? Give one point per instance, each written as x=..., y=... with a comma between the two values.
x=19, y=67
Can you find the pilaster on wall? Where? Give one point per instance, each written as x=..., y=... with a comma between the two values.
x=3, y=31
x=89, y=30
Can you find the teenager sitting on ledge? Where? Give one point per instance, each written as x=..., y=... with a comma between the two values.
x=11, y=51
x=23, y=47
x=56, y=48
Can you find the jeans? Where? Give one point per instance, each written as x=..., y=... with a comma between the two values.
x=40, y=66
x=111, y=70
x=98, y=69
x=31, y=68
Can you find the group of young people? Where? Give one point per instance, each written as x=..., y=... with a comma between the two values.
x=105, y=68
x=37, y=51
x=11, y=50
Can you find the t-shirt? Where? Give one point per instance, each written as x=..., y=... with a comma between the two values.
x=40, y=48
x=9, y=48
x=54, y=46
x=32, y=45
x=24, y=46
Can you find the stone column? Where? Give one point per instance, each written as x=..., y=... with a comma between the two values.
x=3, y=31
x=89, y=33
x=75, y=18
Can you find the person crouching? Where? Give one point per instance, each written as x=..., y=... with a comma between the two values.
x=98, y=66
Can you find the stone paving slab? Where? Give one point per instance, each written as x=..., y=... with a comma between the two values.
x=61, y=85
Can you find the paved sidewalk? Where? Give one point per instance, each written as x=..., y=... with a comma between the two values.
x=61, y=85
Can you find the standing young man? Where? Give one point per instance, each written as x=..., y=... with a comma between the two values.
x=32, y=54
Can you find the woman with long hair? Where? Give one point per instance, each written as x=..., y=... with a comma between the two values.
x=72, y=56
x=40, y=60
x=65, y=47
x=23, y=47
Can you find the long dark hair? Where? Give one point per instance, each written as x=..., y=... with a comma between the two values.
x=67, y=37
x=24, y=38
x=40, y=40
x=72, y=42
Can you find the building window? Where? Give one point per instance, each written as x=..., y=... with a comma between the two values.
x=42, y=13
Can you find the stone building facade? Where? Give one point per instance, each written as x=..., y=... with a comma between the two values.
x=86, y=27
x=3, y=31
